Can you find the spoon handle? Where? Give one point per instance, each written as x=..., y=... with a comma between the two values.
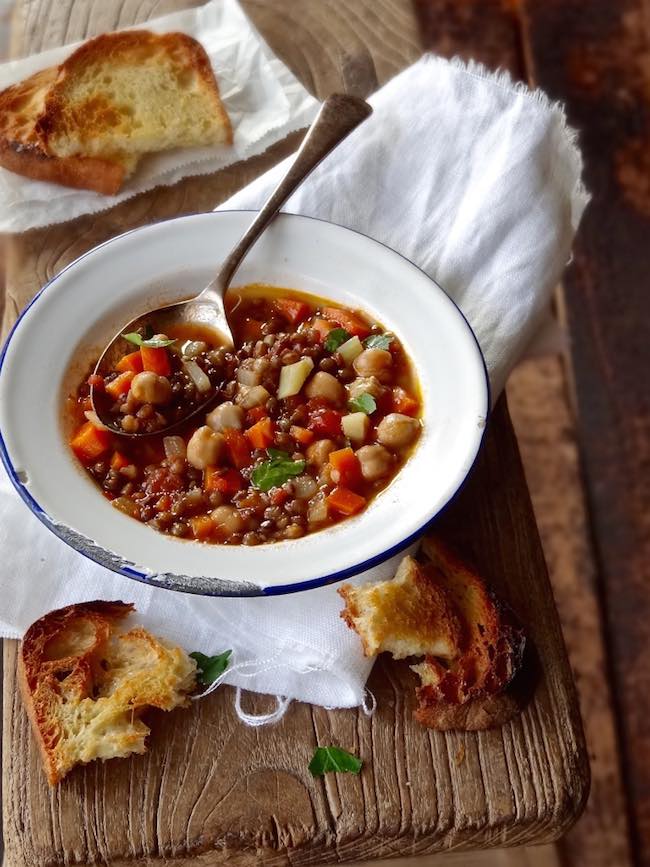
x=338, y=116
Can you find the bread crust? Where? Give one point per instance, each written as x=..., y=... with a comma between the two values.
x=37, y=675
x=81, y=173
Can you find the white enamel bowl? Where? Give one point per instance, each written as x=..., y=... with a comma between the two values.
x=76, y=313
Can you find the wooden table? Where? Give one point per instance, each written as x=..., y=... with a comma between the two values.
x=211, y=791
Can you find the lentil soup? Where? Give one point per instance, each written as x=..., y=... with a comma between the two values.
x=312, y=416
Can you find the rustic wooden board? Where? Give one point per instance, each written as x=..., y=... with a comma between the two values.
x=598, y=61
x=211, y=791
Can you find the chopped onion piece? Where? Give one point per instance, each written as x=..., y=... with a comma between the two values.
x=93, y=418
x=193, y=348
x=199, y=377
x=174, y=447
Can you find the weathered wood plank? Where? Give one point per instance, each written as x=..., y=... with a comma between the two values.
x=211, y=791
x=598, y=63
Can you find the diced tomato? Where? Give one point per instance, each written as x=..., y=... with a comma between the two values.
x=345, y=501
x=292, y=309
x=163, y=481
x=403, y=402
x=238, y=448
x=278, y=496
x=156, y=359
x=96, y=381
x=119, y=460
x=202, y=526
x=352, y=323
x=346, y=469
x=261, y=434
x=132, y=361
x=120, y=385
x=324, y=422
x=90, y=442
x=251, y=329
x=301, y=434
x=255, y=414
x=225, y=481
x=323, y=327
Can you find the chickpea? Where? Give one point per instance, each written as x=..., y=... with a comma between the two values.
x=149, y=387
x=365, y=385
x=397, y=430
x=226, y=415
x=373, y=362
x=205, y=448
x=325, y=385
x=250, y=396
x=376, y=462
x=228, y=519
x=319, y=452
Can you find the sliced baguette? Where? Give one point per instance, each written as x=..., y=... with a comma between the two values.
x=22, y=150
x=85, y=681
x=133, y=92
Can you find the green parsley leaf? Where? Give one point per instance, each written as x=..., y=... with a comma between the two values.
x=336, y=338
x=364, y=403
x=334, y=759
x=211, y=667
x=378, y=341
x=139, y=340
x=275, y=472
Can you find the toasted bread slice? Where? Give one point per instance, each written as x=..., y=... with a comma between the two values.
x=133, y=92
x=22, y=150
x=492, y=648
x=409, y=615
x=85, y=681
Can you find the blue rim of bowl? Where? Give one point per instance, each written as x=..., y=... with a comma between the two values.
x=234, y=588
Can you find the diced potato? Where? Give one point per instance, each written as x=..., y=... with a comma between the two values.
x=355, y=426
x=293, y=376
x=350, y=349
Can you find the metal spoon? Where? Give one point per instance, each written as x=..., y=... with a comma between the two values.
x=338, y=116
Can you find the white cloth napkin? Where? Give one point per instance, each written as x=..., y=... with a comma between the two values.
x=264, y=100
x=478, y=182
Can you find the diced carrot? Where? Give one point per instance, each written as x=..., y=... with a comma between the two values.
x=323, y=327
x=132, y=361
x=90, y=442
x=202, y=526
x=119, y=460
x=345, y=501
x=403, y=402
x=156, y=359
x=95, y=380
x=301, y=434
x=251, y=329
x=261, y=434
x=255, y=414
x=278, y=496
x=293, y=310
x=120, y=385
x=346, y=469
x=352, y=323
x=225, y=481
x=163, y=504
x=238, y=448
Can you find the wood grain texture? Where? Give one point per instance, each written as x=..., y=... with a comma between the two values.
x=600, y=64
x=546, y=432
x=212, y=792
